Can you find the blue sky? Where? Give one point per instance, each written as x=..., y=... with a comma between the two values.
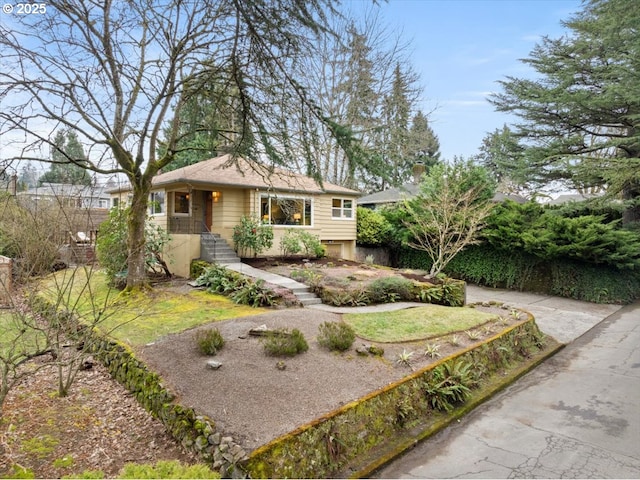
x=461, y=48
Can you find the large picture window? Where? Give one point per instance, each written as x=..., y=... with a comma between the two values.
x=286, y=210
x=156, y=203
x=181, y=203
x=342, y=208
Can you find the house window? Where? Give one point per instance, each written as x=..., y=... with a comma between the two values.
x=115, y=202
x=341, y=208
x=286, y=210
x=181, y=203
x=156, y=203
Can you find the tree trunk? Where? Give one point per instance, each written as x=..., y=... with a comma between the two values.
x=631, y=193
x=137, y=274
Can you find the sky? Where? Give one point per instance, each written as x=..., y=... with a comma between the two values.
x=462, y=48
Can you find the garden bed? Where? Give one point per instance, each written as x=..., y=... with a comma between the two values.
x=346, y=283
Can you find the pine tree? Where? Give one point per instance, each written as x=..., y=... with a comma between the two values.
x=68, y=161
x=422, y=143
x=581, y=118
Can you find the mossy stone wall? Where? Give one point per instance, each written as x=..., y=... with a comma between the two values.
x=332, y=444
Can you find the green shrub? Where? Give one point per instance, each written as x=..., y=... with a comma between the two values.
x=295, y=241
x=290, y=243
x=112, y=245
x=197, y=268
x=336, y=336
x=209, y=341
x=219, y=279
x=373, y=229
x=484, y=265
x=254, y=294
x=450, y=384
x=285, y=343
x=250, y=235
x=390, y=289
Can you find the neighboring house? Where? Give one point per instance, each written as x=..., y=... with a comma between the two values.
x=410, y=190
x=86, y=207
x=210, y=197
x=574, y=197
x=67, y=195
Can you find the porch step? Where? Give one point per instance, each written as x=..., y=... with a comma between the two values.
x=214, y=248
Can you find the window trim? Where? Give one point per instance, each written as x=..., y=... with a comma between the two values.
x=303, y=198
x=189, y=199
x=152, y=202
x=342, y=209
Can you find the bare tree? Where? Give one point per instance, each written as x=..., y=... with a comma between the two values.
x=449, y=212
x=112, y=71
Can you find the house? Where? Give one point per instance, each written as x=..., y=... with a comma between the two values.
x=200, y=204
x=76, y=196
x=409, y=190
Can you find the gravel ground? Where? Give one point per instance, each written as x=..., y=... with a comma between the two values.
x=254, y=401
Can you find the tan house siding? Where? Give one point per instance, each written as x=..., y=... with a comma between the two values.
x=220, y=194
x=180, y=251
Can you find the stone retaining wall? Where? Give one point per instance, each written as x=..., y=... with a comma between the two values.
x=362, y=432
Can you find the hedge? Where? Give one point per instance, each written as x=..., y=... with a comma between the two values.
x=484, y=265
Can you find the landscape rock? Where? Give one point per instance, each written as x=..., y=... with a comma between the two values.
x=213, y=365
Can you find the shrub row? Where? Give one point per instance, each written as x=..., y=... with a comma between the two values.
x=484, y=265
x=392, y=289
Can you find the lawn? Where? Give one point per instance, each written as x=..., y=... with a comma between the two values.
x=415, y=323
x=141, y=317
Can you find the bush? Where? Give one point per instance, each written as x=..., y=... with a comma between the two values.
x=336, y=336
x=112, y=245
x=254, y=294
x=373, y=228
x=296, y=241
x=250, y=235
x=285, y=343
x=209, y=341
x=390, y=289
x=197, y=268
x=219, y=279
x=484, y=265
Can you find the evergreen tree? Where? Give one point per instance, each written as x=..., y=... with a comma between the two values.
x=502, y=155
x=422, y=143
x=68, y=161
x=581, y=118
x=208, y=125
x=396, y=116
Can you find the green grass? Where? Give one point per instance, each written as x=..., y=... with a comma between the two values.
x=415, y=323
x=14, y=337
x=141, y=317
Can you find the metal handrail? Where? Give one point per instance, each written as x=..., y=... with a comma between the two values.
x=208, y=232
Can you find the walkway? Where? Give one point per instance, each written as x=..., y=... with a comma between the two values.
x=562, y=318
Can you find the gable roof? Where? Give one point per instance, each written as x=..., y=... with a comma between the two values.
x=225, y=171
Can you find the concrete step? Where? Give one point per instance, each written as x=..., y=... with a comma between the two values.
x=311, y=301
x=305, y=295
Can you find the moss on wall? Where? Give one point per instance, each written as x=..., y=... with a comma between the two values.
x=378, y=422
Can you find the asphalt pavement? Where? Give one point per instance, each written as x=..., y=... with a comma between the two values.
x=575, y=416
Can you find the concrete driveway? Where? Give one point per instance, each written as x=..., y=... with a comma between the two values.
x=575, y=416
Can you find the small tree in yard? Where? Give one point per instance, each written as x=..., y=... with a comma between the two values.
x=449, y=211
x=252, y=236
